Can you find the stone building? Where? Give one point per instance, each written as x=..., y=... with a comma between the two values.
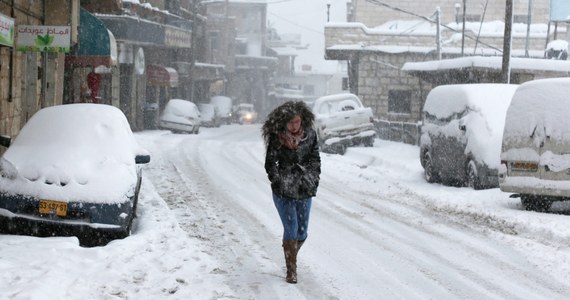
x=379, y=40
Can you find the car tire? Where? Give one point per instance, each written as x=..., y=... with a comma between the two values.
x=342, y=149
x=536, y=203
x=430, y=173
x=369, y=142
x=472, y=176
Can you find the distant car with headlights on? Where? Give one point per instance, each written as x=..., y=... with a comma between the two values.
x=180, y=115
x=73, y=170
x=245, y=113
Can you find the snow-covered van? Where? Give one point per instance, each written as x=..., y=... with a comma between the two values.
x=535, y=157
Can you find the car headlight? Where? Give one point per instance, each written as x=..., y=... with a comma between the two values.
x=248, y=116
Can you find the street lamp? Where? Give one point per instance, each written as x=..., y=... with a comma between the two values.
x=328, y=10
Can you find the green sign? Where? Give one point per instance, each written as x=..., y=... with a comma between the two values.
x=6, y=31
x=43, y=38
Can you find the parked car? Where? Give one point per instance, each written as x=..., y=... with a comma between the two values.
x=224, y=106
x=209, y=116
x=180, y=115
x=535, y=157
x=461, y=133
x=342, y=121
x=245, y=113
x=73, y=170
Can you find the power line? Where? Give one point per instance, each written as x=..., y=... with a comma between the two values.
x=296, y=24
x=429, y=20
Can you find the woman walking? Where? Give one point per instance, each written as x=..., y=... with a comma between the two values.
x=293, y=166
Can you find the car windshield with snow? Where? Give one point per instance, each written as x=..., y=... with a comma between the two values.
x=72, y=170
x=461, y=133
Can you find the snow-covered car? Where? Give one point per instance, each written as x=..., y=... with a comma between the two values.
x=209, y=115
x=245, y=113
x=224, y=107
x=73, y=170
x=535, y=157
x=461, y=133
x=180, y=115
x=342, y=121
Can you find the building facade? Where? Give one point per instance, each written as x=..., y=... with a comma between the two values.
x=29, y=79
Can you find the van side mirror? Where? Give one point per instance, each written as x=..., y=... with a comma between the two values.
x=142, y=159
x=5, y=141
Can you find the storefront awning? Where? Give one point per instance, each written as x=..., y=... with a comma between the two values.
x=158, y=75
x=97, y=45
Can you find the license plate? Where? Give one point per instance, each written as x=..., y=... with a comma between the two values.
x=524, y=166
x=49, y=207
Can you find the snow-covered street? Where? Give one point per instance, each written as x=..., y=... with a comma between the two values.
x=207, y=229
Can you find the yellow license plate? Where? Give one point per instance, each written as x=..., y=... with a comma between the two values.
x=524, y=166
x=49, y=207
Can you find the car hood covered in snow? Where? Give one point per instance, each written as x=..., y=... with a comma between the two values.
x=75, y=152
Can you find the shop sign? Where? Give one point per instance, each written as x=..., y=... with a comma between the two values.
x=43, y=38
x=6, y=31
x=177, y=38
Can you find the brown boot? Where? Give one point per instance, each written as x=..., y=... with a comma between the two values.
x=290, y=250
x=299, y=244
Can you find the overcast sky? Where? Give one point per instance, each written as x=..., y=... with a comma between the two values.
x=307, y=18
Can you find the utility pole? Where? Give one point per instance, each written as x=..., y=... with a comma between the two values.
x=438, y=33
x=193, y=49
x=463, y=30
x=506, y=68
x=528, y=21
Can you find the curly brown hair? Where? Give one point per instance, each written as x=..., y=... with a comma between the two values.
x=278, y=118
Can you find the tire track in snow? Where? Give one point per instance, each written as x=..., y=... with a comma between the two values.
x=375, y=218
x=252, y=260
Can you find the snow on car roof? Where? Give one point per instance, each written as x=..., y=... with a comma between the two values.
x=488, y=98
x=527, y=114
x=177, y=109
x=81, y=152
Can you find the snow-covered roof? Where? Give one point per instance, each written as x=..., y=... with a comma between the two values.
x=491, y=62
x=285, y=51
x=485, y=29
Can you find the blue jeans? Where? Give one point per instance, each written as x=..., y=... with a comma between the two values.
x=294, y=216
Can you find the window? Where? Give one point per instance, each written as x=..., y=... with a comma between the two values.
x=469, y=18
x=400, y=102
x=345, y=85
x=520, y=19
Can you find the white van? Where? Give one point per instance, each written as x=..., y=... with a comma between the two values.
x=535, y=156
